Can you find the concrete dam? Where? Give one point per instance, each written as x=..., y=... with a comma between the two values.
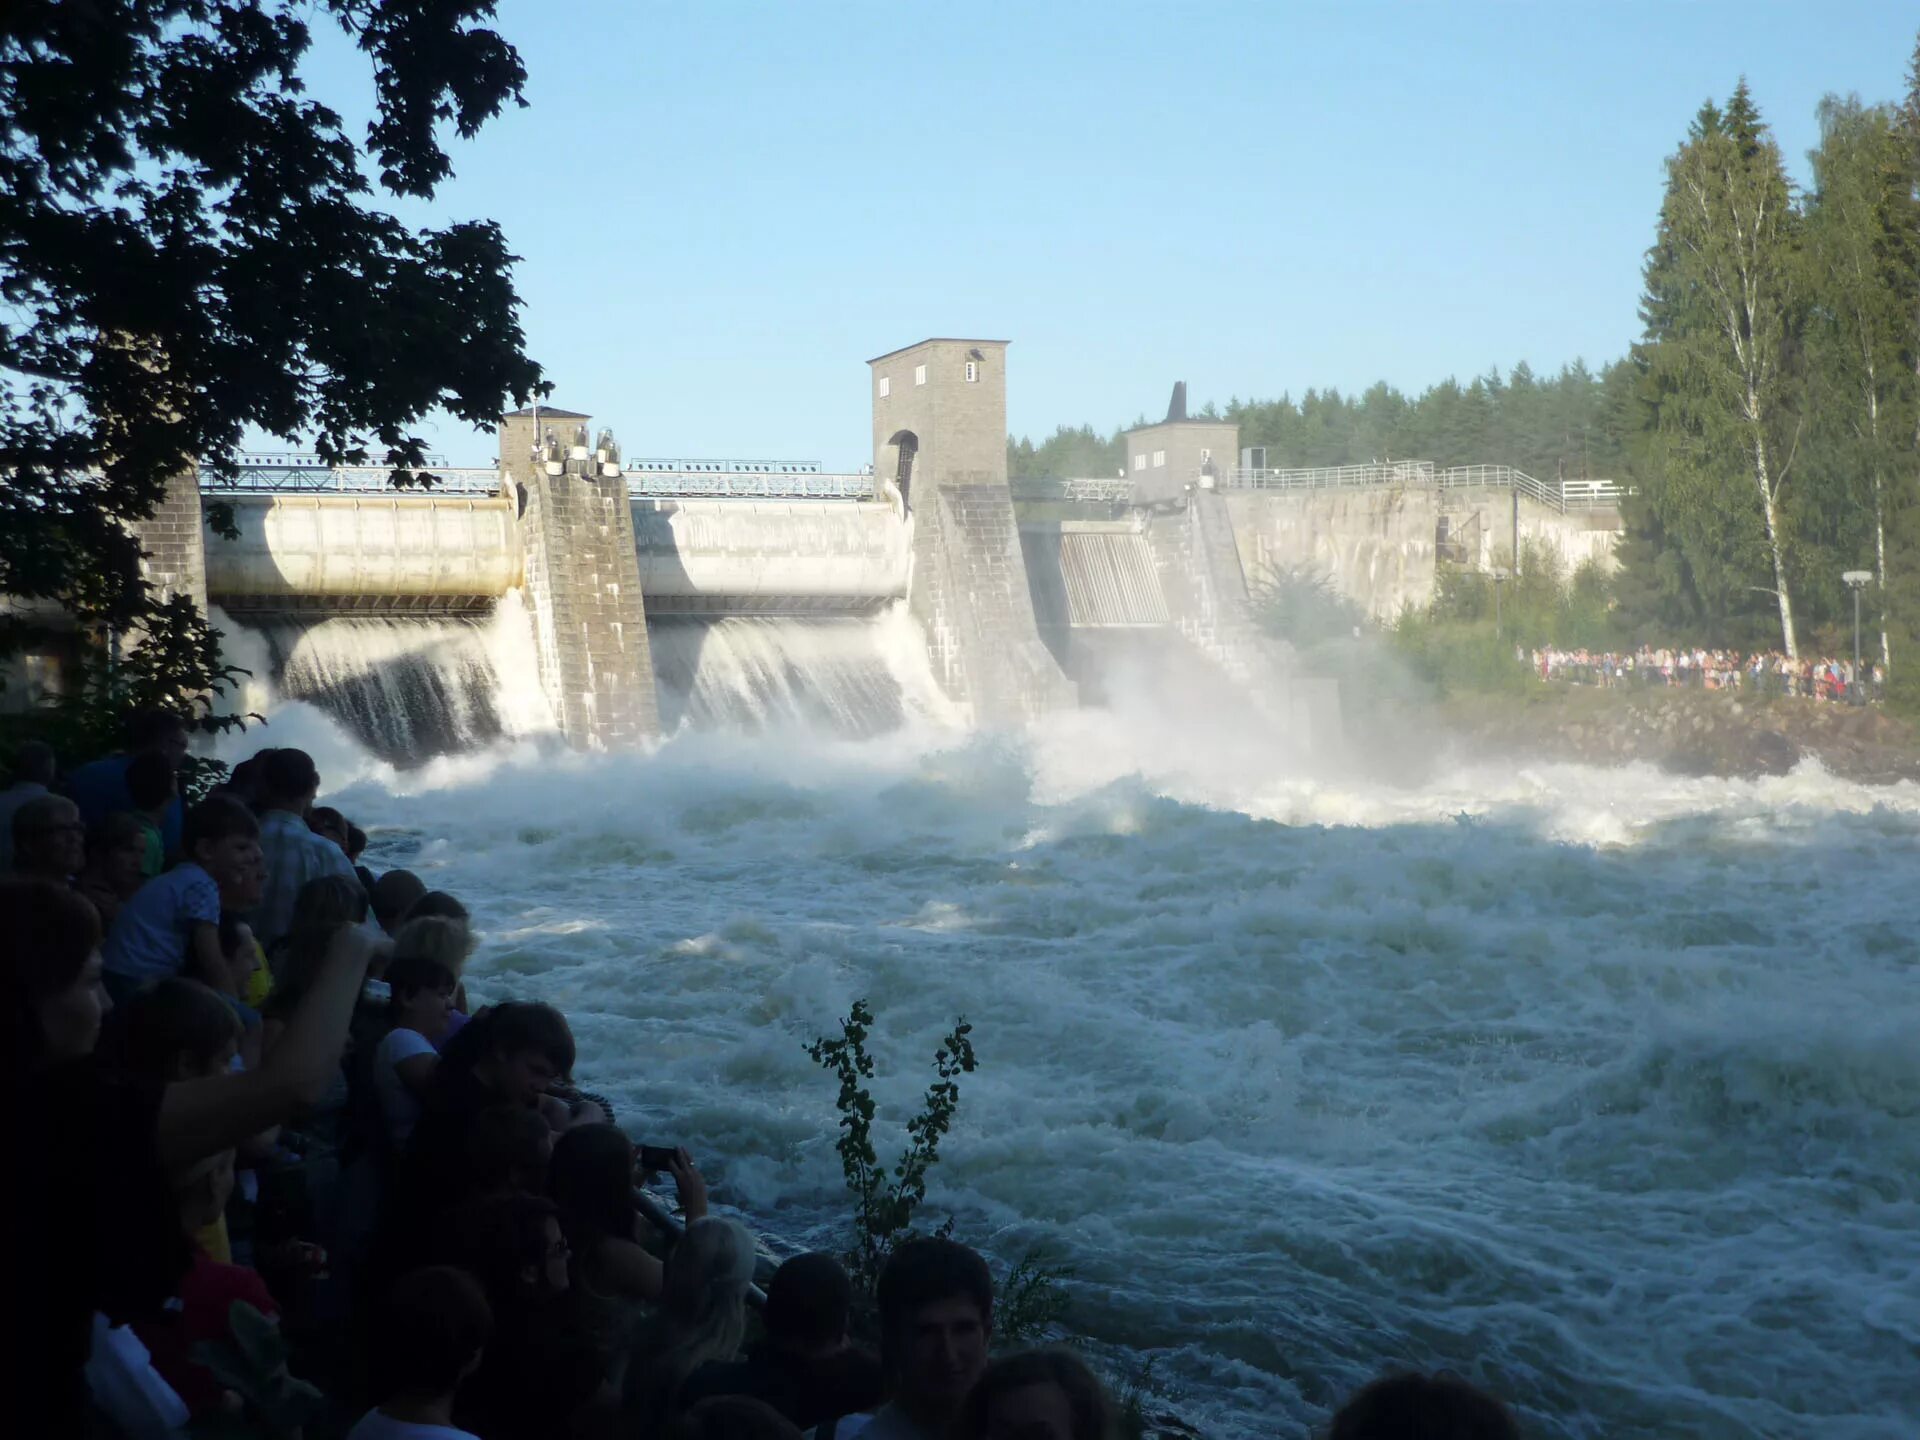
x=642, y=595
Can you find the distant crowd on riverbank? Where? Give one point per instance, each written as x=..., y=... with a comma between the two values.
x=275, y=1172
x=1760, y=673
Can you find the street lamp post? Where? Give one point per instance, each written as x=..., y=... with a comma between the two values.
x=1856, y=581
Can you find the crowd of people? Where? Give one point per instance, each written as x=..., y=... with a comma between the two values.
x=282, y=1174
x=1764, y=672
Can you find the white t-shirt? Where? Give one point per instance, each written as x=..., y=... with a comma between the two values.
x=397, y=1105
x=375, y=1426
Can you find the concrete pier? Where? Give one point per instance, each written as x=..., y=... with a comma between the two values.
x=582, y=582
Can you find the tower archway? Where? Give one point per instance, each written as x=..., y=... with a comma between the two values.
x=906, y=449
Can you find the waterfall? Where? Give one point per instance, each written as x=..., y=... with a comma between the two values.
x=409, y=688
x=412, y=688
x=844, y=676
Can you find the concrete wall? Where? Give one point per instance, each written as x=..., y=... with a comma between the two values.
x=459, y=551
x=978, y=610
x=1184, y=446
x=174, y=539
x=590, y=623
x=769, y=557
x=1202, y=577
x=1376, y=545
x=1379, y=545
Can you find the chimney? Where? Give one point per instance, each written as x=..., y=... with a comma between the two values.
x=1177, y=407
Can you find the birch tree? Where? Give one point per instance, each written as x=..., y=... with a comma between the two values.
x=1730, y=309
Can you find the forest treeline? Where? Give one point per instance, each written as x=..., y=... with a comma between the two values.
x=1768, y=418
x=1572, y=425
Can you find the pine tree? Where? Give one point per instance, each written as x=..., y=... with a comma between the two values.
x=1863, y=252
x=1903, y=519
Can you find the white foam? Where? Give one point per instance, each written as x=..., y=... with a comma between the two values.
x=1595, y=1085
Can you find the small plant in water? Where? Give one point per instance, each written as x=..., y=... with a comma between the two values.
x=1030, y=1298
x=884, y=1201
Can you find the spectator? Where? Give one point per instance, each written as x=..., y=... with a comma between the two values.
x=357, y=847
x=243, y=780
x=446, y=941
x=733, y=1417
x=428, y=1340
x=202, y=1309
x=439, y=902
x=508, y=1055
x=806, y=1368
x=508, y=1151
x=100, y=788
x=172, y=924
x=329, y=824
x=101, y=1217
x=1037, y=1395
x=252, y=981
x=936, y=1317
x=152, y=785
x=33, y=771
x=294, y=854
x=1423, y=1407
x=591, y=1180
x=420, y=995
x=393, y=895
x=172, y=1030
x=49, y=840
x=702, y=1318
x=324, y=905
x=116, y=857
x=542, y=1375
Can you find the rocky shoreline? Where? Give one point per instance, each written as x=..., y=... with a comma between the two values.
x=1687, y=732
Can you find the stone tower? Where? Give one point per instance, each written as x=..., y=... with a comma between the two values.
x=940, y=452
x=582, y=579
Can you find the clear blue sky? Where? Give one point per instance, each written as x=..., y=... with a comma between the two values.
x=725, y=209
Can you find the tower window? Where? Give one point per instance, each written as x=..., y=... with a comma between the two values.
x=886, y=387
x=973, y=371
x=919, y=374
x=1159, y=458
x=1140, y=461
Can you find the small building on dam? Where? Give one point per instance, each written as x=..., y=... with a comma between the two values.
x=1020, y=591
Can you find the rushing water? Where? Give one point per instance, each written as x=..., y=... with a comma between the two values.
x=852, y=677
x=1599, y=1087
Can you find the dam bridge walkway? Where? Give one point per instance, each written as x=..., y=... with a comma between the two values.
x=1561, y=495
x=289, y=473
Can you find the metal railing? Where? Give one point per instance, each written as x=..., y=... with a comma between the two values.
x=1562, y=495
x=796, y=486
x=1334, y=477
x=308, y=474
x=1082, y=491
x=721, y=467
x=296, y=473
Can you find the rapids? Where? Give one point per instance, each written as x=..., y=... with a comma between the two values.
x=1598, y=1087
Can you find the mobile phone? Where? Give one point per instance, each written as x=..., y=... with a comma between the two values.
x=657, y=1157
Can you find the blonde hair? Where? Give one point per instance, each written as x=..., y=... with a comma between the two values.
x=444, y=941
x=702, y=1316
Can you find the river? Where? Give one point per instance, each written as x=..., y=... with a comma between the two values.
x=1599, y=1087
